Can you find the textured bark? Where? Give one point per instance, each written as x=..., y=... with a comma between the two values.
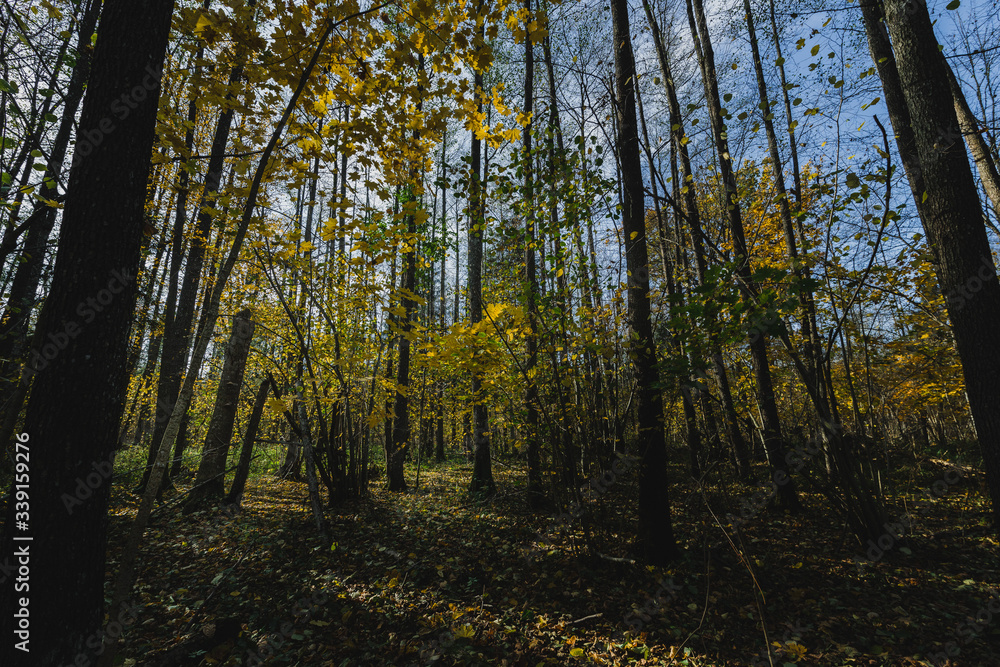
x=84, y=382
x=895, y=101
x=980, y=152
x=952, y=218
x=656, y=536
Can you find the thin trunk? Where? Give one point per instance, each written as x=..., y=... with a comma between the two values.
x=774, y=444
x=530, y=289
x=209, y=484
x=655, y=536
x=693, y=216
x=482, y=484
x=235, y=495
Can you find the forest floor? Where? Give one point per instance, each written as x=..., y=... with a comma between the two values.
x=426, y=577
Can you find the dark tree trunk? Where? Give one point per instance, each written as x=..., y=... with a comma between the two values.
x=530, y=287
x=17, y=314
x=235, y=495
x=693, y=217
x=482, y=484
x=952, y=218
x=80, y=367
x=177, y=332
x=656, y=535
x=401, y=430
x=209, y=484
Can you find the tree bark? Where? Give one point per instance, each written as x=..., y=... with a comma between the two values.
x=952, y=218
x=482, y=484
x=980, y=152
x=530, y=288
x=83, y=380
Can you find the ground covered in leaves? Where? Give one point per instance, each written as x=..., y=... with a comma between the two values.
x=428, y=577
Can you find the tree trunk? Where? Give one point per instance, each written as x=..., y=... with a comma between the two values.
x=80, y=354
x=482, y=484
x=235, y=495
x=17, y=314
x=693, y=217
x=656, y=535
x=401, y=430
x=209, y=484
x=952, y=218
x=773, y=442
x=530, y=288
x=980, y=152
x=177, y=331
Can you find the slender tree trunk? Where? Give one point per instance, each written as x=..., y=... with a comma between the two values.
x=656, y=536
x=401, y=430
x=693, y=217
x=209, y=484
x=235, y=495
x=530, y=288
x=773, y=442
x=978, y=149
x=482, y=484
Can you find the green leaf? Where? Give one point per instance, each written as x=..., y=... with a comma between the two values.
x=953, y=4
x=814, y=50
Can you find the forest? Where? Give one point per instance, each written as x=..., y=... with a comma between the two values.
x=499, y=332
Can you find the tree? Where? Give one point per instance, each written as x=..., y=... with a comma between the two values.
x=209, y=482
x=951, y=216
x=656, y=536
x=773, y=440
x=82, y=375
x=482, y=483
